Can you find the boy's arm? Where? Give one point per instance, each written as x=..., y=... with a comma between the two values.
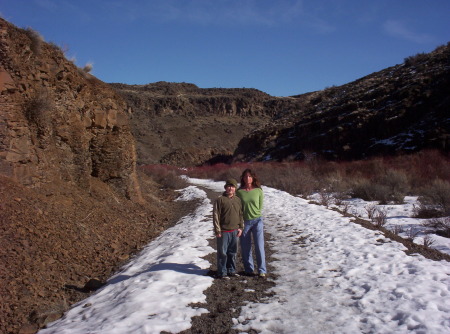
x=241, y=219
x=216, y=219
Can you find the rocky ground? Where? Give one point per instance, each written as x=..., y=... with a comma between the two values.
x=225, y=297
x=56, y=239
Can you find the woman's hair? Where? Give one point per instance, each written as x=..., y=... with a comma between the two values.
x=255, y=183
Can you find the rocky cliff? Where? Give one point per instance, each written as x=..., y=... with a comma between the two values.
x=72, y=205
x=58, y=121
x=182, y=124
x=402, y=109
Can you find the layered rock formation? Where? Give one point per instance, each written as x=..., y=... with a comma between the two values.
x=71, y=206
x=183, y=125
x=59, y=122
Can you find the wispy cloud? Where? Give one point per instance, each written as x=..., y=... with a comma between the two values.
x=242, y=12
x=400, y=30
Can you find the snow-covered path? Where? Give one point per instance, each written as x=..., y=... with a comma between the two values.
x=334, y=276
x=338, y=277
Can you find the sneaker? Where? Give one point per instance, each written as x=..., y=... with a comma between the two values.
x=221, y=277
x=248, y=274
x=233, y=274
x=262, y=275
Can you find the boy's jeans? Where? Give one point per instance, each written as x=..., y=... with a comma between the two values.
x=253, y=227
x=226, y=253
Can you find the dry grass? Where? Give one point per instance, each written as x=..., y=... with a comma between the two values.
x=166, y=176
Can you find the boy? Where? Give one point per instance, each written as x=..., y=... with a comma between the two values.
x=228, y=223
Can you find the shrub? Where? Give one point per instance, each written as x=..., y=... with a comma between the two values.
x=371, y=209
x=411, y=234
x=425, y=211
x=88, y=67
x=437, y=196
x=416, y=59
x=37, y=110
x=36, y=40
x=166, y=176
x=295, y=179
x=440, y=225
x=397, y=229
x=380, y=218
x=370, y=191
x=397, y=185
x=428, y=241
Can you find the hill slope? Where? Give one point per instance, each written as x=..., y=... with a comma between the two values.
x=181, y=124
x=400, y=109
x=404, y=108
x=72, y=204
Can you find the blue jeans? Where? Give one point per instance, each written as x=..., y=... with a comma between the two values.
x=226, y=253
x=253, y=227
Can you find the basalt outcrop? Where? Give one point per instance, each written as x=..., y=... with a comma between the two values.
x=184, y=125
x=58, y=121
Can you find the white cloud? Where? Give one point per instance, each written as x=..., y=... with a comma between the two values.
x=248, y=12
x=400, y=30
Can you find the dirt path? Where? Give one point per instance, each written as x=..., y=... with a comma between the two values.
x=225, y=297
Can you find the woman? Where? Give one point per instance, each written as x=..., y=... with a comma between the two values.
x=252, y=197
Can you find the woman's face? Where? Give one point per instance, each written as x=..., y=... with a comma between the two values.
x=248, y=179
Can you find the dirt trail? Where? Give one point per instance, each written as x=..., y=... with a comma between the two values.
x=225, y=297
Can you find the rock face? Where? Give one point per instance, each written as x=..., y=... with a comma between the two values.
x=181, y=124
x=402, y=109
x=57, y=121
x=71, y=208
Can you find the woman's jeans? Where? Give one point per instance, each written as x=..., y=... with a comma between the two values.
x=226, y=253
x=253, y=227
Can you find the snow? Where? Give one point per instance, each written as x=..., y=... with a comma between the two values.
x=333, y=276
x=399, y=216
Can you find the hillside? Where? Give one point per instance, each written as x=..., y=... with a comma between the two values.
x=402, y=109
x=183, y=125
x=72, y=205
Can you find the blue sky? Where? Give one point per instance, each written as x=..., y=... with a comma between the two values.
x=282, y=47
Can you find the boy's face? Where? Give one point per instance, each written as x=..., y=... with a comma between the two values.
x=230, y=190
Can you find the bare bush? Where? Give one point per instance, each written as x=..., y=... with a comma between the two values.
x=397, y=185
x=371, y=209
x=166, y=176
x=380, y=218
x=325, y=198
x=422, y=210
x=36, y=40
x=440, y=225
x=370, y=191
x=345, y=207
x=411, y=234
x=437, y=196
x=293, y=178
x=88, y=68
x=416, y=59
x=397, y=229
x=37, y=110
x=428, y=241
